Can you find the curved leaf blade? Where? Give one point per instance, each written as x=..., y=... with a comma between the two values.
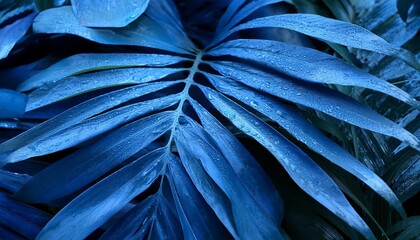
x=45, y=4
x=12, y=33
x=317, y=97
x=403, y=7
x=197, y=219
x=97, y=204
x=245, y=166
x=303, y=170
x=12, y=104
x=410, y=228
x=108, y=13
x=211, y=192
x=82, y=63
x=231, y=9
x=246, y=10
x=127, y=226
x=76, y=85
x=23, y=219
x=87, y=164
x=11, y=181
x=300, y=128
x=309, y=65
x=76, y=115
x=250, y=220
x=143, y=32
x=91, y=128
x=330, y=30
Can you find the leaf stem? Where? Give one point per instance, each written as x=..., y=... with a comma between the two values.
x=189, y=81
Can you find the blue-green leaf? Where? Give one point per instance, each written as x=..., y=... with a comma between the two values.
x=197, y=219
x=153, y=218
x=232, y=8
x=403, y=7
x=128, y=224
x=330, y=30
x=245, y=166
x=90, y=62
x=23, y=219
x=108, y=13
x=302, y=169
x=170, y=20
x=45, y=4
x=12, y=104
x=76, y=85
x=11, y=34
x=87, y=164
x=246, y=10
x=308, y=64
x=143, y=32
x=305, y=132
x=250, y=220
x=317, y=97
x=410, y=228
x=215, y=197
x=97, y=204
x=76, y=115
x=11, y=181
x=91, y=128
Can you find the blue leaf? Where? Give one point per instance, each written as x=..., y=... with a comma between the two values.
x=11, y=181
x=12, y=33
x=77, y=114
x=308, y=64
x=403, y=7
x=213, y=195
x=45, y=4
x=76, y=85
x=153, y=218
x=302, y=169
x=6, y=233
x=197, y=219
x=91, y=62
x=330, y=30
x=170, y=20
x=23, y=219
x=404, y=173
x=231, y=10
x=317, y=97
x=245, y=166
x=247, y=10
x=143, y=32
x=410, y=228
x=128, y=224
x=91, y=128
x=305, y=132
x=101, y=201
x=166, y=223
x=108, y=13
x=89, y=163
x=12, y=104
x=250, y=220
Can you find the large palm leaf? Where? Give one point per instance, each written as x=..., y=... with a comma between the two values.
x=146, y=150
x=396, y=21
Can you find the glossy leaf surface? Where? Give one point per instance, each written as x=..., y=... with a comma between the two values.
x=109, y=13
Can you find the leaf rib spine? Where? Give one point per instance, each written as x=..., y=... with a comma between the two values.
x=189, y=81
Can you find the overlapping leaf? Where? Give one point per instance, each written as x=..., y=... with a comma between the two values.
x=109, y=13
x=13, y=30
x=12, y=104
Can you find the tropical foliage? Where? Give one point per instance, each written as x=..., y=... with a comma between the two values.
x=209, y=119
